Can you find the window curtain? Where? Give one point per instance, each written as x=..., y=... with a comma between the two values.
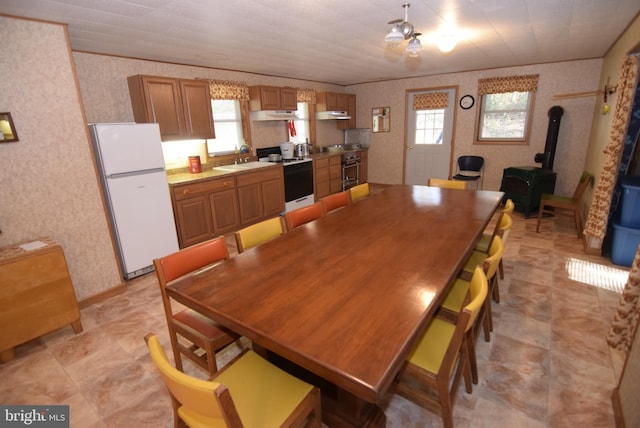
x=499, y=85
x=228, y=90
x=625, y=320
x=430, y=100
x=598, y=216
x=306, y=95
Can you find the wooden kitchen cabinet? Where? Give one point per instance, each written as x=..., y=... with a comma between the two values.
x=364, y=163
x=349, y=123
x=327, y=176
x=36, y=295
x=180, y=107
x=260, y=195
x=272, y=98
x=334, y=101
x=205, y=209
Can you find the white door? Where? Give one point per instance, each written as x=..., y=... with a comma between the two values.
x=429, y=133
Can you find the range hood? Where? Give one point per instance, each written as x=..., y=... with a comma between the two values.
x=326, y=115
x=265, y=115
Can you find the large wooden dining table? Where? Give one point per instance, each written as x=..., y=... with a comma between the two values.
x=345, y=297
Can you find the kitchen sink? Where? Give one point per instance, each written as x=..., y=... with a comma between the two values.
x=242, y=166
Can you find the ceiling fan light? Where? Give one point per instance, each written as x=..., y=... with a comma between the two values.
x=414, y=47
x=447, y=42
x=394, y=37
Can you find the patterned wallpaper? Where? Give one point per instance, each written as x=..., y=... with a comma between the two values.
x=386, y=155
x=48, y=184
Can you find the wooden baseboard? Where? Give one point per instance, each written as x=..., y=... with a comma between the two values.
x=617, y=408
x=96, y=298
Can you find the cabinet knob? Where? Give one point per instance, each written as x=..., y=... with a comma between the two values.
x=186, y=192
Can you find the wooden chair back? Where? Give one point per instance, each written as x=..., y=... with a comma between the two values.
x=256, y=234
x=303, y=215
x=358, y=192
x=584, y=182
x=447, y=184
x=205, y=336
x=335, y=201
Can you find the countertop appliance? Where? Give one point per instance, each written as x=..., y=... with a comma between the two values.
x=298, y=178
x=133, y=178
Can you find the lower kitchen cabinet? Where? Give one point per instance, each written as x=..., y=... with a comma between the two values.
x=209, y=208
x=260, y=195
x=205, y=209
x=364, y=163
x=327, y=176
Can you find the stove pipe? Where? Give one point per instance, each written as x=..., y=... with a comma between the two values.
x=546, y=158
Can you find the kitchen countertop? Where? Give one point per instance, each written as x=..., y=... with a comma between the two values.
x=211, y=172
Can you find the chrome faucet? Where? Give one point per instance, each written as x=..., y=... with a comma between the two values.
x=245, y=148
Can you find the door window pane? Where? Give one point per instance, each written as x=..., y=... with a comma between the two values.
x=429, y=126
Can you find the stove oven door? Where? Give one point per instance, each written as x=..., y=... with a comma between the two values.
x=298, y=185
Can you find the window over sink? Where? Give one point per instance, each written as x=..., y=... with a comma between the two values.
x=227, y=120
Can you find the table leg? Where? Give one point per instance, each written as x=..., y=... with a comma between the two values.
x=77, y=326
x=7, y=355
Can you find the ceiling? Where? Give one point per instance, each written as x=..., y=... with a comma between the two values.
x=336, y=41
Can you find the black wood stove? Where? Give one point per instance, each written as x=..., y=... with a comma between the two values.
x=524, y=185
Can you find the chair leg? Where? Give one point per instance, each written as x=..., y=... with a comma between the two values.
x=445, y=402
x=576, y=214
x=176, y=351
x=496, y=289
x=540, y=211
x=470, y=346
x=501, y=269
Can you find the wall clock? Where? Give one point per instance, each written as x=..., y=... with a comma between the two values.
x=467, y=102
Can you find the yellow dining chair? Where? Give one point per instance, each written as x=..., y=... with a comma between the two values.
x=359, y=192
x=485, y=239
x=454, y=302
x=550, y=203
x=248, y=392
x=303, y=215
x=503, y=228
x=478, y=258
x=433, y=371
x=205, y=336
x=256, y=234
x=447, y=184
x=335, y=201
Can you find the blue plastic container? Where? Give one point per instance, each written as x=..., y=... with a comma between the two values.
x=630, y=206
x=624, y=244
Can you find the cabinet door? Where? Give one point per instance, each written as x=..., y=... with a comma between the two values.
x=321, y=178
x=196, y=104
x=224, y=207
x=288, y=99
x=349, y=123
x=193, y=217
x=335, y=174
x=270, y=98
x=250, y=203
x=364, y=164
x=273, y=197
x=332, y=101
x=157, y=100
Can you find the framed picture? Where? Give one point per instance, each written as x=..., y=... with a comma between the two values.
x=8, y=134
x=381, y=119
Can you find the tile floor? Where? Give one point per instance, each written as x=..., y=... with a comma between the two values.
x=547, y=364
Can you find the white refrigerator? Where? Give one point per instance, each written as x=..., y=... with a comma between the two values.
x=131, y=167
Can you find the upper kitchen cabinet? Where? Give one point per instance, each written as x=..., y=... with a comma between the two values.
x=272, y=98
x=333, y=101
x=181, y=107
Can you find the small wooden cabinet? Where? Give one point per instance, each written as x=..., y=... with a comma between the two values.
x=205, y=209
x=349, y=123
x=272, y=98
x=260, y=195
x=180, y=107
x=36, y=295
x=327, y=176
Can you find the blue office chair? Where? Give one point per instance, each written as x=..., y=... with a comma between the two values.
x=470, y=169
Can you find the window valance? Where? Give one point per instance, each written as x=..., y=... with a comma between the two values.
x=430, y=100
x=305, y=95
x=498, y=85
x=228, y=90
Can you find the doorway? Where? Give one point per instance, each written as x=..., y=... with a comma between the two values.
x=429, y=134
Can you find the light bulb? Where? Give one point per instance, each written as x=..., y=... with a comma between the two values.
x=446, y=42
x=414, y=47
x=394, y=37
